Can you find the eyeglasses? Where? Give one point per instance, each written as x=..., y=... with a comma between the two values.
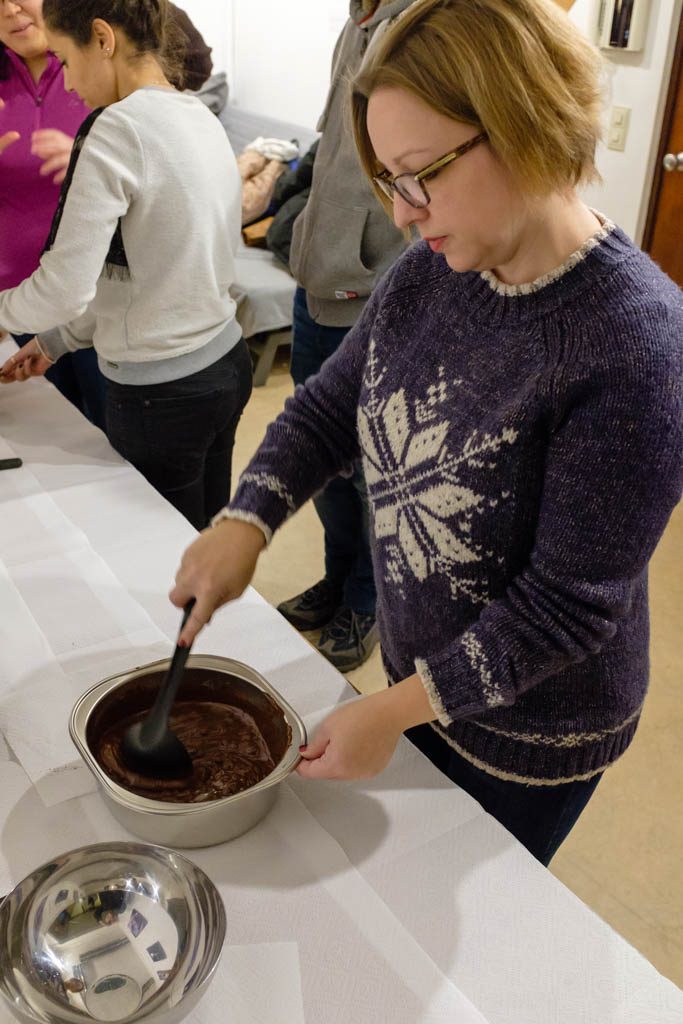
x=411, y=187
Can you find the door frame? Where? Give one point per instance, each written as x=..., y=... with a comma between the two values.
x=676, y=71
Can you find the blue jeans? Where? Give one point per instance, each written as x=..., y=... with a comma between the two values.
x=540, y=817
x=342, y=506
x=180, y=435
x=77, y=376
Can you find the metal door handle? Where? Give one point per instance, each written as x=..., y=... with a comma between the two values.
x=673, y=162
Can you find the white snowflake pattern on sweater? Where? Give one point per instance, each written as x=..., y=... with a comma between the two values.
x=422, y=511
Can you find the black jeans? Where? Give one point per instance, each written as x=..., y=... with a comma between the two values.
x=180, y=435
x=342, y=505
x=540, y=817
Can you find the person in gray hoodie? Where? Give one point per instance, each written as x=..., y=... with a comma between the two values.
x=342, y=243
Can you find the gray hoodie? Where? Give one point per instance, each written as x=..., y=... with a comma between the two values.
x=343, y=240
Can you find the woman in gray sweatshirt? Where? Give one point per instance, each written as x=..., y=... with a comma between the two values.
x=140, y=257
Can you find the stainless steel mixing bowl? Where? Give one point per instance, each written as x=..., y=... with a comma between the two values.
x=110, y=932
x=191, y=824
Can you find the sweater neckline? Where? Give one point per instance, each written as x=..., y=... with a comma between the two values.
x=573, y=260
x=490, y=298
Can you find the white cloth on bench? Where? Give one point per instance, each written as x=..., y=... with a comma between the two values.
x=264, y=288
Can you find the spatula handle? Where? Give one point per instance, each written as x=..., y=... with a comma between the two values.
x=161, y=709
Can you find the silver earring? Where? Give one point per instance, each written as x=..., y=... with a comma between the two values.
x=107, y=52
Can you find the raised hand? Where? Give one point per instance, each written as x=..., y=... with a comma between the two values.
x=53, y=147
x=9, y=138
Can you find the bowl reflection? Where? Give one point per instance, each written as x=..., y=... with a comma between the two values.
x=110, y=932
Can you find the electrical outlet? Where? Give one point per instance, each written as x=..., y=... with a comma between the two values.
x=618, y=128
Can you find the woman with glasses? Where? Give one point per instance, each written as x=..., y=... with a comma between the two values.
x=513, y=388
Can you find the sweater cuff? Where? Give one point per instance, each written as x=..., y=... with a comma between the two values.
x=427, y=679
x=263, y=496
x=244, y=517
x=459, y=680
x=51, y=344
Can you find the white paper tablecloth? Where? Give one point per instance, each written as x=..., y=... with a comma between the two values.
x=395, y=900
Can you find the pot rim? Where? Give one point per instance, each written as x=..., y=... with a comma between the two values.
x=88, y=701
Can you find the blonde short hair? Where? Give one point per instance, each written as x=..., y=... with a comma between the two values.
x=518, y=69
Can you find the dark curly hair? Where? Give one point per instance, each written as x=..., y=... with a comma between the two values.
x=145, y=22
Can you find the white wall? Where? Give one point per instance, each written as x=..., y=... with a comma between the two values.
x=282, y=55
x=278, y=52
x=639, y=81
x=214, y=21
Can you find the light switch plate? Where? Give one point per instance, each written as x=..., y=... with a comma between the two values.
x=618, y=128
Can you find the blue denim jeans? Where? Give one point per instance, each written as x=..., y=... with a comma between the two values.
x=180, y=435
x=540, y=817
x=77, y=376
x=342, y=506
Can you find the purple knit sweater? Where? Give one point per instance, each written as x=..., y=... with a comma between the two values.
x=522, y=450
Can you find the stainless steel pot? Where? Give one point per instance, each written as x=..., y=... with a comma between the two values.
x=191, y=824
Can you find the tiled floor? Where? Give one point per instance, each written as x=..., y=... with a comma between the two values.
x=624, y=858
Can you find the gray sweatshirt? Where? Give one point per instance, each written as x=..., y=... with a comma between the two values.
x=343, y=240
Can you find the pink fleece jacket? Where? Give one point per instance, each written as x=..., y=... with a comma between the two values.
x=27, y=200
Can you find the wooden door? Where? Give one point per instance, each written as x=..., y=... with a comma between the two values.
x=663, y=237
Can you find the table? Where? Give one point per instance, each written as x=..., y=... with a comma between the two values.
x=395, y=900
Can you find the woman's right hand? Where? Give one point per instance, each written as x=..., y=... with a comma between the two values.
x=9, y=138
x=215, y=569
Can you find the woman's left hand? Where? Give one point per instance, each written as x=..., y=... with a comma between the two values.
x=356, y=741
x=54, y=148
x=28, y=362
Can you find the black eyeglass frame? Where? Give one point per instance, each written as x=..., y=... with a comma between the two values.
x=390, y=183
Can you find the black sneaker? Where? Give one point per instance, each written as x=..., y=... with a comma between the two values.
x=349, y=639
x=315, y=607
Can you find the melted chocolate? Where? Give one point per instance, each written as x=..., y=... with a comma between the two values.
x=231, y=748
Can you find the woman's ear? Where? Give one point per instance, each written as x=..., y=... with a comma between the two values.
x=104, y=37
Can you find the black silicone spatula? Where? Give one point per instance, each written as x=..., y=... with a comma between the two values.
x=149, y=747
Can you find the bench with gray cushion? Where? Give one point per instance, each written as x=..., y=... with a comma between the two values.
x=264, y=288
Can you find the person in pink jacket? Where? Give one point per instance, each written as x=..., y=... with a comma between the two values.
x=38, y=121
